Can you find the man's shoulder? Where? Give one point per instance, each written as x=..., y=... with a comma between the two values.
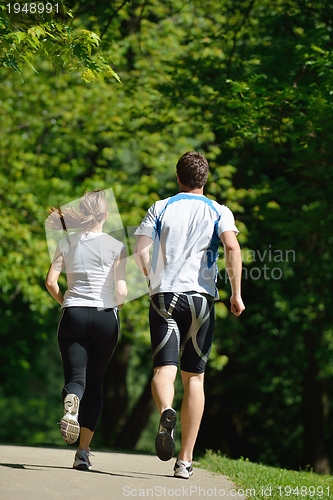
x=219, y=206
x=159, y=205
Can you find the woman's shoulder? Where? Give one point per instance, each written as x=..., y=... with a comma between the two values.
x=112, y=242
x=68, y=242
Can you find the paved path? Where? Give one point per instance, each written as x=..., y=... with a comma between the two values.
x=29, y=473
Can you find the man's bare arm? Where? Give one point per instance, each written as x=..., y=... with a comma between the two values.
x=233, y=264
x=142, y=254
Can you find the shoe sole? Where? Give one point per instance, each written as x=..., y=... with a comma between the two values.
x=71, y=404
x=164, y=442
x=81, y=467
x=70, y=429
x=183, y=476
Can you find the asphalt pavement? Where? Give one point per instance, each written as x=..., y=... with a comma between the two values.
x=36, y=473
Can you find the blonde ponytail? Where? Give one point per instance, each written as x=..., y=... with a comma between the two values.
x=92, y=209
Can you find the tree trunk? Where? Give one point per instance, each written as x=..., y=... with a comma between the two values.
x=138, y=419
x=115, y=394
x=314, y=412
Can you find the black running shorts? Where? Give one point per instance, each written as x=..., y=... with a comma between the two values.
x=181, y=328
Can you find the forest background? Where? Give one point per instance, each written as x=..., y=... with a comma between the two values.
x=249, y=84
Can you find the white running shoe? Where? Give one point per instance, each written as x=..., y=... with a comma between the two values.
x=81, y=460
x=69, y=425
x=182, y=469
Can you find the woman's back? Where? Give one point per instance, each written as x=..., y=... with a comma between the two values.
x=88, y=261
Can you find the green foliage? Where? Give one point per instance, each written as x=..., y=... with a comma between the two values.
x=27, y=415
x=28, y=35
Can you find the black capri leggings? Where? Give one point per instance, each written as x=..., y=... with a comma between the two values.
x=87, y=337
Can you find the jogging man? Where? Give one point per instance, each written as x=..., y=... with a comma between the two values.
x=184, y=232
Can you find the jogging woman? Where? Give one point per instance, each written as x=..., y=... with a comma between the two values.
x=94, y=263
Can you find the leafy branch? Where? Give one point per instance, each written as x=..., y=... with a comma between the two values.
x=29, y=36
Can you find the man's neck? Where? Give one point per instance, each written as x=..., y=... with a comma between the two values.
x=185, y=189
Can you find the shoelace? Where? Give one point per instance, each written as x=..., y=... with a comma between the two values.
x=84, y=453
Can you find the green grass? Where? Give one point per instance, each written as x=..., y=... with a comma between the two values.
x=261, y=481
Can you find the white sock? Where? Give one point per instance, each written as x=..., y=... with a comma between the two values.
x=186, y=464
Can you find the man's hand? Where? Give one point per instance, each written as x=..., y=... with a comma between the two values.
x=237, y=305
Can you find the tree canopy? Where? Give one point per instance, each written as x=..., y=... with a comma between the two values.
x=50, y=30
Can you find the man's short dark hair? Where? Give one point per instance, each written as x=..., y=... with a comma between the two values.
x=192, y=170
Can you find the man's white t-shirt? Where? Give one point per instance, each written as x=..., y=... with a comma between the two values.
x=186, y=230
x=88, y=260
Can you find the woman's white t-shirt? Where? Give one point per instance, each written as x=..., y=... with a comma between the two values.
x=88, y=261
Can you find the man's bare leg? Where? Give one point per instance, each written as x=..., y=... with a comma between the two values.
x=162, y=386
x=191, y=412
x=163, y=394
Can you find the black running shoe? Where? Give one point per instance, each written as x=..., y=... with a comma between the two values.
x=165, y=438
